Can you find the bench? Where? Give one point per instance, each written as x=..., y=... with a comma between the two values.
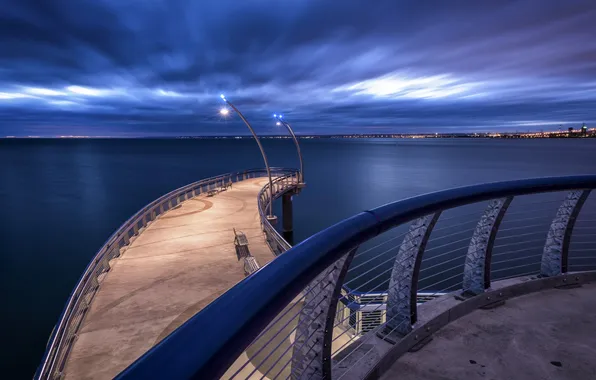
x=226, y=186
x=211, y=193
x=241, y=245
x=250, y=265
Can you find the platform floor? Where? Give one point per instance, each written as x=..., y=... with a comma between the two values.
x=545, y=335
x=175, y=267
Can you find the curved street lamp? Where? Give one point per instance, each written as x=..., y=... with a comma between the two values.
x=280, y=120
x=225, y=111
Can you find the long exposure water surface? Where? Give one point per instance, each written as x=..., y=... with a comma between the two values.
x=60, y=199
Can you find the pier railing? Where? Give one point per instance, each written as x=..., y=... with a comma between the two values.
x=347, y=301
x=69, y=323
x=281, y=185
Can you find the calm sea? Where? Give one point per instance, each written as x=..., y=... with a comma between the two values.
x=60, y=199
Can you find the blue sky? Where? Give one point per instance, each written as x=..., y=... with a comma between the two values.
x=157, y=67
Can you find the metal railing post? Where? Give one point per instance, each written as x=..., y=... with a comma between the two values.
x=478, y=258
x=311, y=354
x=403, y=285
x=555, y=255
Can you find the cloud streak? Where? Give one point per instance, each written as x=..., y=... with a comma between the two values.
x=107, y=67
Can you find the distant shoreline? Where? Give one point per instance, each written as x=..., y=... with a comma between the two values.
x=531, y=135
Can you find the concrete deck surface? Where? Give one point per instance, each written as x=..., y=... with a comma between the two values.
x=175, y=267
x=545, y=335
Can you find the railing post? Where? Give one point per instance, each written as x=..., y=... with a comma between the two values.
x=555, y=255
x=125, y=237
x=478, y=258
x=403, y=285
x=311, y=354
x=114, y=252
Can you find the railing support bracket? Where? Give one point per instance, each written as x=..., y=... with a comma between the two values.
x=423, y=342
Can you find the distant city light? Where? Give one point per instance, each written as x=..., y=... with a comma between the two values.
x=224, y=111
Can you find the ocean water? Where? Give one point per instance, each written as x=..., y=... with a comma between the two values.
x=60, y=199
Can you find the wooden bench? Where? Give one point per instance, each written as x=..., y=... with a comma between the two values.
x=211, y=193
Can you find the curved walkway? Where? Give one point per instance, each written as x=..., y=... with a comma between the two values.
x=546, y=335
x=174, y=268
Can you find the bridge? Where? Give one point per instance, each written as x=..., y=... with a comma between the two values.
x=492, y=279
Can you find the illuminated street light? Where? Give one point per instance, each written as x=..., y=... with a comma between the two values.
x=280, y=121
x=225, y=111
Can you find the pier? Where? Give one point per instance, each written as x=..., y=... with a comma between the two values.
x=171, y=270
x=162, y=266
x=523, y=260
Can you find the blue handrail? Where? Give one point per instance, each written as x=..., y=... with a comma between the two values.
x=208, y=343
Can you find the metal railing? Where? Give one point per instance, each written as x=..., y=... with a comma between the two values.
x=69, y=323
x=473, y=245
x=281, y=185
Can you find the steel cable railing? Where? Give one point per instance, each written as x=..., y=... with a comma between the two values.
x=317, y=311
x=442, y=274
x=281, y=185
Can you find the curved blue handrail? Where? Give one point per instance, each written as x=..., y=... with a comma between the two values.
x=208, y=343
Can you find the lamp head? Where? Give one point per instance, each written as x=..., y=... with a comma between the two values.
x=224, y=111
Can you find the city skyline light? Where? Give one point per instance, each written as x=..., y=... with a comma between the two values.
x=110, y=68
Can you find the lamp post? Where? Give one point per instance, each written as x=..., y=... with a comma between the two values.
x=289, y=128
x=224, y=112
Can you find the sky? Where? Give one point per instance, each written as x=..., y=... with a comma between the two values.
x=157, y=67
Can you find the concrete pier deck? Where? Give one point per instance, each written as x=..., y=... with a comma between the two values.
x=175, y=267
x=546, y=335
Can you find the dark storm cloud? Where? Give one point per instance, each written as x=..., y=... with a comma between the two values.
x=106, y=67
